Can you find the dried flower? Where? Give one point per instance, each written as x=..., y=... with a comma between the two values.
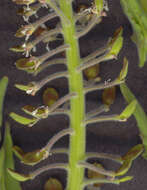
x=27, y=63
x=40, y=112
x=26, y=47
x=30, y=158
x=86, y=18
x=26, y=30
x=24, y=11
x=31, y=88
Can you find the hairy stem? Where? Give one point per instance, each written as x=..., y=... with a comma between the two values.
x=56, y=137
x=116, y=158
x=94, y=181
x=53, y=52
x=96, y=169
x=46, y=35
x=104, y=118
x=57, y=75
x=58, y=11
x=48, y=167
x=59, y=151
x=97, y=111
x=103, y=86
x=44, y=19
x=92, y=62
x=50, y=63
x=77, y=104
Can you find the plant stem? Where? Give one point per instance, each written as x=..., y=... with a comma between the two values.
x=55, y=138
x=103, y=86
x=112, y=157
x=93, y=181
x=46, y=35
x=97, y=111
x=44, y=19
x=92, y=62
x=53, y=52
x=77, y=104
x=54, y=76
x=48, y=167
x=96, y=169
x=50, y=63
x=104, y=118
x=59, y=151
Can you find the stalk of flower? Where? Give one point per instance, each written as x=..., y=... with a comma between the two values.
x=84, y=30
x=34, y=157
x=46, y=34
x=29, y=29
x=32, y=63
x=47, y=64
x=34, y=87
x=50, y=54
x=27, y=47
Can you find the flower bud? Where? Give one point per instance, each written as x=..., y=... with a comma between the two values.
x=27, y=63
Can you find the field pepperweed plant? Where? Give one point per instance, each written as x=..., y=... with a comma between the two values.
x=71, y=26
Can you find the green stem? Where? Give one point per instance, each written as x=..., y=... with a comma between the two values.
x=77, y=104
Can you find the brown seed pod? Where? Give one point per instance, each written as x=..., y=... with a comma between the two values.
x=50, y=96
x=109, y=95
x=53, y=184
x=92, y=72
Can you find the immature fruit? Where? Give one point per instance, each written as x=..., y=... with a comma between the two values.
x=92, y=174
x=92, y=72
x=109, y=95
x=53, y=184
x=50, y=96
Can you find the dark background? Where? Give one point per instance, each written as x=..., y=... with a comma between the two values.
x=110, y=137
